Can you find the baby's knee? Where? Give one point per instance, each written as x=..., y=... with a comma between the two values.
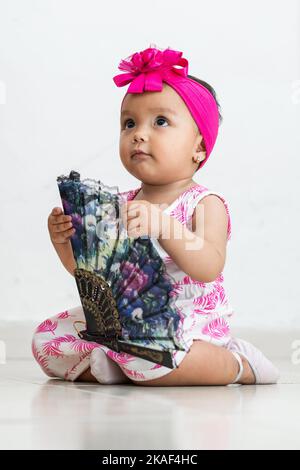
x=43, y=335
x=40, y=356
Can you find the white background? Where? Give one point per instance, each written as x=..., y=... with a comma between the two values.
x=60, y=111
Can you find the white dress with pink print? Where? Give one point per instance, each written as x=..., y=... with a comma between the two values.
x=204, y=308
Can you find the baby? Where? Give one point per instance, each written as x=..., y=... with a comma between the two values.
x=169, y=125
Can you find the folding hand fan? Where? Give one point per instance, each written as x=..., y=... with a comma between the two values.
x=122, y=281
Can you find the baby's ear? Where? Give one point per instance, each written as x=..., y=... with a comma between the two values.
x=202, y=155
x=201, y=145
x=202, y=150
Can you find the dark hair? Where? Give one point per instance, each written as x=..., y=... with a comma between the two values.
x=212, y=91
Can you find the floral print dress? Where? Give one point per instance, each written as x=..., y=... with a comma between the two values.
x=204, y=310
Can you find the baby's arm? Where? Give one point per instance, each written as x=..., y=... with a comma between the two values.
x=201, y=252
x=65, y=254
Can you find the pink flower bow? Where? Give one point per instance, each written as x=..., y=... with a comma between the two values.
x=148, y=68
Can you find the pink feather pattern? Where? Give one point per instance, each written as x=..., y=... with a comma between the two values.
x=47, y=326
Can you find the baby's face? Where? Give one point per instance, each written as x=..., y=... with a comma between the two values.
x=170, y=136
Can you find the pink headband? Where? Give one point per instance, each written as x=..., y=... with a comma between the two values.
x=149, y=68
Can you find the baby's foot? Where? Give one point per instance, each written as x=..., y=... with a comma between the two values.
x=263, y=370
x=105, y=370
x=245, y=375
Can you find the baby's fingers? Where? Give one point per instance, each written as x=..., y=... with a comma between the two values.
x=62, y=236
x=56, y=211
x=63, y=227
x=58, y=217
x=60, y=226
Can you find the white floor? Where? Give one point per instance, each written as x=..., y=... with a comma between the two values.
x=37, y=412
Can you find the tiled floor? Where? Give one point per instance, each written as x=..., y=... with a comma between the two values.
x=37, y=412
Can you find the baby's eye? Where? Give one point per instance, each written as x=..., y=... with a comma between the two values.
x=162, y=119
x=128, y=120
x=159, y=118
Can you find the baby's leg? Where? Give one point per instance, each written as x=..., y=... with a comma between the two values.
x=103, y=370
x=60, y=352
x=57, y=347
x=86, y=377
x=205, y=364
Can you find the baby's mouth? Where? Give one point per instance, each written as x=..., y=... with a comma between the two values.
x=140, y=156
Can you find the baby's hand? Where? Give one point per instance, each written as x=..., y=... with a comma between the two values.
x=60, y=226
x=141, y=218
